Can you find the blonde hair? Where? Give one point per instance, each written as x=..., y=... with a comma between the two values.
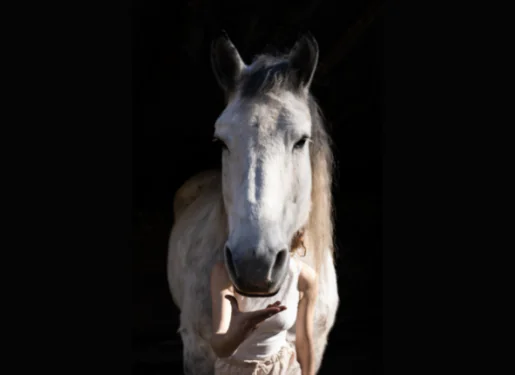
x=298, y=242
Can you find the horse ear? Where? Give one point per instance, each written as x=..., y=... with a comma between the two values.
x=303, y=60
x=226, y=62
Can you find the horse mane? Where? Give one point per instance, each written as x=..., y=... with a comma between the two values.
x=320, y=224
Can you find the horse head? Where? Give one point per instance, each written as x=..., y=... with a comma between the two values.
x=265, y=131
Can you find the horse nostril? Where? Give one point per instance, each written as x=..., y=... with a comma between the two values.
x=280, y=259
x=229, y=261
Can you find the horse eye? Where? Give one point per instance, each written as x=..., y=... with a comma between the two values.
x=220, y=142
x=301, y=142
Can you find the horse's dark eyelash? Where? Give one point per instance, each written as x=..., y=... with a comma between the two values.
x=301, y=142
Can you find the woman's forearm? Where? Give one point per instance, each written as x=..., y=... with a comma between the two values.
x=306, y=358
x=224, y=344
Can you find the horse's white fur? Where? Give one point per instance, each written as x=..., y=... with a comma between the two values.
x=253, y=201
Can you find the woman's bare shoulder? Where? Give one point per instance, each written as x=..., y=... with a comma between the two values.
x=307, y=277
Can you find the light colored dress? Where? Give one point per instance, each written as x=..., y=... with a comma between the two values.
x=266, y=350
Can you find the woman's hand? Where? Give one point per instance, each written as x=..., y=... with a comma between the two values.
x=244, y=323
x=230, y=325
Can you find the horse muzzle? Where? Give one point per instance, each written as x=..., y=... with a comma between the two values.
x=256, y=275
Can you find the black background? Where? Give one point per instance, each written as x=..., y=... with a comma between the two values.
x=175, y=104
x=68, y=192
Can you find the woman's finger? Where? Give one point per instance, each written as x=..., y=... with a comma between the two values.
x=274, y=304
x=260, y=315
x=234, y=303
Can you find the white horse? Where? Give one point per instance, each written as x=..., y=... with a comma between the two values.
x=275, y=181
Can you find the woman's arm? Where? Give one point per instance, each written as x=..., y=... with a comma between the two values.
x=230, y=325
x=305, y=317
x=222, y=342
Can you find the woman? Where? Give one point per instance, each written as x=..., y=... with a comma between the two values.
x=254, y=342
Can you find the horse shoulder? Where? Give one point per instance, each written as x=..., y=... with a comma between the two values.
x=192, y=189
